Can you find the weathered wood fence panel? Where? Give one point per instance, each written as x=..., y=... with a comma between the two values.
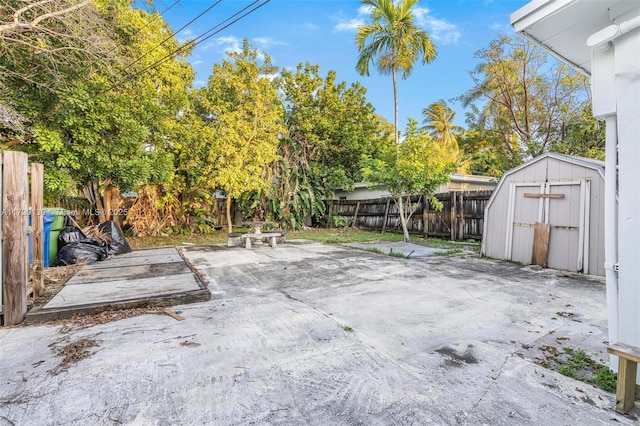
x=15, y=242
x=37, y=228
x=461, y=218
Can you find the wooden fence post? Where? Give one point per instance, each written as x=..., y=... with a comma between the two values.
x=453, y=215
x=386, y=215
x=15, y=244
x=37, y=228
x=461, y=217
x=425, y=216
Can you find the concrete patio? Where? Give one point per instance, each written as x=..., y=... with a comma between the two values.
x=314, y=334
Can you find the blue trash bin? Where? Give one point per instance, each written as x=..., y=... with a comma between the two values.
x=47, y=219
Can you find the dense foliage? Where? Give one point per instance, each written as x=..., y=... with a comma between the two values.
x=524, y=104
x=100, y=92
x=418, y=166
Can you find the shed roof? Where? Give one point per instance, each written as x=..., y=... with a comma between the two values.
x=591, y=163
x=562, y=27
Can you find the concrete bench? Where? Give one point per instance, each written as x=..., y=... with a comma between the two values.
x=272, y=236
x=629, y=356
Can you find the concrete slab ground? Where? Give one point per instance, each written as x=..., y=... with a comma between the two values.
x=313, y=334
x=408, y=250
x=153, y=277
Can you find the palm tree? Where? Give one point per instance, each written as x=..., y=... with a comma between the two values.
x=438, y=121
x=393, y=42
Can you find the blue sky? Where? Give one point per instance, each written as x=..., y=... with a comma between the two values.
x=323, y=32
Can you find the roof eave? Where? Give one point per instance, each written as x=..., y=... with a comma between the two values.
x=533, y=13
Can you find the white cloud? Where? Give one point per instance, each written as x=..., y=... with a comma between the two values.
x=503, y=28
x=351, y=25
x=309, y=26
x=185, y=35
x=440, y=29
x=226, y=44
x=365, y=10
x=197, y=62
x=230, y=44
x=267, y=42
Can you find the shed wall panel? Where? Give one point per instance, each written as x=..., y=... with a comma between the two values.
x=524, y=218
x=496, y=219
x=596, y=226
x=553, y=170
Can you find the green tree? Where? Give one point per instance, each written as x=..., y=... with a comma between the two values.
x=480, y=151
x=418, y=166
x=524, y=101
x=438, y=120
x=246, y=116
x=46, y=46
x=583, y=136
x=330, y=125
x=394, y=43
x=105, y=134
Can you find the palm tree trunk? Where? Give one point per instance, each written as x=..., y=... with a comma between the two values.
x=403, y=220
x=395, y=107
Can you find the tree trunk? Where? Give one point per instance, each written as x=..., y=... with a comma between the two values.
x=399, y=200
x=403, y=219
x=99, y=203
x=395, y=107
x=229, y=225
x=107, y=203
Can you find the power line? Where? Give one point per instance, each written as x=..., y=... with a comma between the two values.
x=199, y=38
x=175, y=32
x=158, y=16
x=155, y=18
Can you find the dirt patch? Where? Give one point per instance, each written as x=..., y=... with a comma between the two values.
x=559, y=355
x=54, y=280
x=72, y=353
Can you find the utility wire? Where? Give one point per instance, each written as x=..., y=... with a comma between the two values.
x=155, y=18
x=195, y=40
x=169, y=37
x=193, y=44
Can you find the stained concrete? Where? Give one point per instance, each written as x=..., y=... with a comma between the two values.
x=324, y=335
x=153, y=277
x=408, y=250
x=80, y=294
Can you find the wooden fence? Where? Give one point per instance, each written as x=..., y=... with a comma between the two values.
x=461, y=218
x=14, y=233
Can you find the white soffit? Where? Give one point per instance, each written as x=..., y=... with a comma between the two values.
x=563, y=26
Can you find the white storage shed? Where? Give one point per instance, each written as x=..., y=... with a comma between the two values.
x=563, y=191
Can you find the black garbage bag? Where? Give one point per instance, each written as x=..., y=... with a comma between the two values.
x=70, y=234
x=117, y=244
x=88, y=252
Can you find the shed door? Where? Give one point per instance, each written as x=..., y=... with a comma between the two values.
x=568, y=217
x=524, y=213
